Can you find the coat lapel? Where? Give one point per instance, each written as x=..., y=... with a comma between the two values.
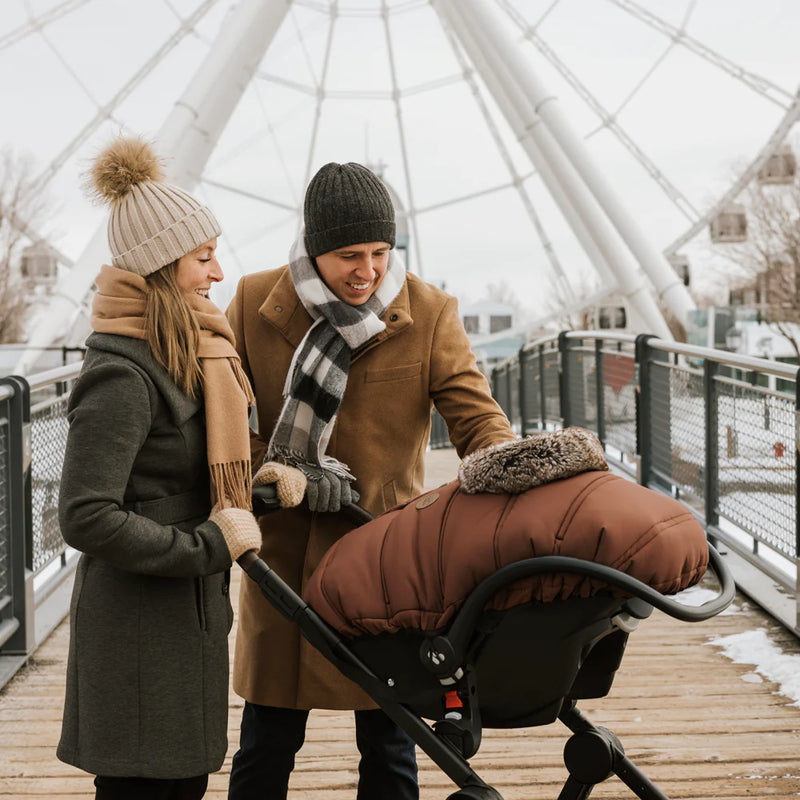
x=283, y=310
x=397, y=318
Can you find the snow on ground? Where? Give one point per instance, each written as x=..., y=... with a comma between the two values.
x=697, y=595
x=753, y=647
x=769, y=661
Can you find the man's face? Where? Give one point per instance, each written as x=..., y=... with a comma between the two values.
x=354, y=272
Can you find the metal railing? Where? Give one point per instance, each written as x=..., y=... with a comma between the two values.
x=716, y=430
x=35, y=567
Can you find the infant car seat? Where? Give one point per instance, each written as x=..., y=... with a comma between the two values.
x=499, y=610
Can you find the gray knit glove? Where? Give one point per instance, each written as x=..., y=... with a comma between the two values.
x=326, y=491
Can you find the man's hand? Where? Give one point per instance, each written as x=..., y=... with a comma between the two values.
x=326, y=491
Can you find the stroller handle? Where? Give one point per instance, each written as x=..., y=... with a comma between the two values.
x=265, y=501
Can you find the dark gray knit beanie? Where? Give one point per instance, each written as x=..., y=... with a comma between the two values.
x=346, y=204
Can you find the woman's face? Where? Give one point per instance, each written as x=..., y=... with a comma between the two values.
x=199, y=269
x=353, y=273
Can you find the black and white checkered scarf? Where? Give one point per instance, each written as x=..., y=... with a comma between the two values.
x=317, y=376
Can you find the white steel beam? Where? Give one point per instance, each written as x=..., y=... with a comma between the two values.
x=517, y=179
x=187, y=138
x=493, y=37
x=598, y=239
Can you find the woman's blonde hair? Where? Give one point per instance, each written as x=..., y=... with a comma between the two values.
x=171, y=329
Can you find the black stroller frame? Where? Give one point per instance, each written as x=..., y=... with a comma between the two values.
x=442, y=669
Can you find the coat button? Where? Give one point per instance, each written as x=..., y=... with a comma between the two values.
x=279, y=309
x=224, y=588
x=393, y=318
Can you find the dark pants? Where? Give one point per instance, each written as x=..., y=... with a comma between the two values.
x=270, y=738
x=151, y=788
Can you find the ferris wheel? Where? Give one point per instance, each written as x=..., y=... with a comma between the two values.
x=566, y=151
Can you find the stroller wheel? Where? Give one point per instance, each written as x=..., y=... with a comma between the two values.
x=476, y=793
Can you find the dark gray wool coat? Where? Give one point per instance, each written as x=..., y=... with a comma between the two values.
x=147, y=678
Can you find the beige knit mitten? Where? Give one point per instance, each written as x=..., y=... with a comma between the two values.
x=240, y=529
x=289, y=482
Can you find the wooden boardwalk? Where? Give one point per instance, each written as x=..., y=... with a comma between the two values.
x=701, y=726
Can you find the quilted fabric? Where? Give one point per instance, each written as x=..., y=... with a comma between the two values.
x=413, y=566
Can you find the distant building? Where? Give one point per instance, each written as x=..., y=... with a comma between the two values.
x=491, y=329
x=487, y=316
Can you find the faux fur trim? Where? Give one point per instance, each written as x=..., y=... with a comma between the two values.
x=514, y=467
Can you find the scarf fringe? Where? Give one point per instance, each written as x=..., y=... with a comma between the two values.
x=294, y=458
x=232, y=485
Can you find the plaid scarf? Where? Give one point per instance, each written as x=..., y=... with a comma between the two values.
x=317, y=376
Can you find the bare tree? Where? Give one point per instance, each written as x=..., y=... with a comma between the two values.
x=20, y=211
x=769, y=260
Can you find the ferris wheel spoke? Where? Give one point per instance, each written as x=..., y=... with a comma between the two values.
x=320, y=96
x=757, y=83
x=39, y=23
x=411, y=210
x=545, y=14
x=105, y=111
x=609, y=120
x=747, y=175
x=77, y=78
x=244, y=193
x=638, y=86
x=517, y=180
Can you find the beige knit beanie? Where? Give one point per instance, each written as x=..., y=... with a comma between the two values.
x=152, y=223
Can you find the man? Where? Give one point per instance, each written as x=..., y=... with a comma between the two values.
x=367, y=349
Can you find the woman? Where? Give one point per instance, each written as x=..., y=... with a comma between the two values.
x=158, y=435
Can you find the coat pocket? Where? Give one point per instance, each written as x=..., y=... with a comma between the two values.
x=398, y=373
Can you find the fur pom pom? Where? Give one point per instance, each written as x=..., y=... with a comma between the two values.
x=514, y=467
x=121, y=166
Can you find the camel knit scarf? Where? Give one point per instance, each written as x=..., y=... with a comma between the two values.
x=317, y=376
x=118, y=307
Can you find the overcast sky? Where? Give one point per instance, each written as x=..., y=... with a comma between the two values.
x=693, y=119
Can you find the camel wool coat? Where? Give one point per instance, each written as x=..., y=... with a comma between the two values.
x=423, y=358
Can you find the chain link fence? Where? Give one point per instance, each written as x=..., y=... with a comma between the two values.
x=713, y=429
x=33, y=554
x=49, y=440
